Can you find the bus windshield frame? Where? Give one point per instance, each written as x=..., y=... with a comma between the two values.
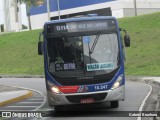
x=88, y=70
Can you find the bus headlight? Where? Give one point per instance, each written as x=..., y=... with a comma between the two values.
x=53, y=88
x=118, y=82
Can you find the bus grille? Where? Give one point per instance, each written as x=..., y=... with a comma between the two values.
x=74, y=81
x=76, y=98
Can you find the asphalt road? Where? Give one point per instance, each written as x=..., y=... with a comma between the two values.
x=135, y=94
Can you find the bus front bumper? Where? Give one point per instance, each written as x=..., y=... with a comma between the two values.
x=75, y=98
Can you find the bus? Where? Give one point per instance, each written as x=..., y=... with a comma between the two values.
x=83, y=61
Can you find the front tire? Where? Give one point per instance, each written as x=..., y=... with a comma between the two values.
x=114, y=104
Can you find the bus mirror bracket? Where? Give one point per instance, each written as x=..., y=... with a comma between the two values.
x=40, y=45
x=126, y=37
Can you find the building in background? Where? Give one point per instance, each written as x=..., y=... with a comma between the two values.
x=71, y=8
x=11, y=19
x=11, y=16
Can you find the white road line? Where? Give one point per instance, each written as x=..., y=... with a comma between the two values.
x=21, y=106
x=46, y=109
x=28, y=102
x=14, y=110
x=144, y=101
x=33, y=99
x=38, y=97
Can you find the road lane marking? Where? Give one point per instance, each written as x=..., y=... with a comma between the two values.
x=144, y=101
x=13, y=110
x=21, y=106
x=27, y=102
x=14, y=96
x=38, y=96
x=34, y=99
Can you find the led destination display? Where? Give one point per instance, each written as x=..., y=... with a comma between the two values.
x=82, y=26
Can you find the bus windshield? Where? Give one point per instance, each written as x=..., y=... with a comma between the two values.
x=83, y=55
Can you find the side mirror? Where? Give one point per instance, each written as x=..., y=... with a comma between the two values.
x=127, y=40
x=40, y=48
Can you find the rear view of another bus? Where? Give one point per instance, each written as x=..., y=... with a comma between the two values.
x=84, y=61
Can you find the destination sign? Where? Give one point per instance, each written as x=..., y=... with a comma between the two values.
x=100, y=66
x=65, y=67
x=82, y=26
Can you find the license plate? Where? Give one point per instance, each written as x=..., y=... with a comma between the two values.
x=88, y=100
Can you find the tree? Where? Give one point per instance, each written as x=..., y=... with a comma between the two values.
x=29, y=4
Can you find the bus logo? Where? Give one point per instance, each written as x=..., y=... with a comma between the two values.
x=82, y=89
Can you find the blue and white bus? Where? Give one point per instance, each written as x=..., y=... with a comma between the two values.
x=83, y=61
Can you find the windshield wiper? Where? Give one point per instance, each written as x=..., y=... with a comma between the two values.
x=93, y=46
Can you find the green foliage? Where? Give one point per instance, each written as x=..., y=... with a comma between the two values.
x=19, y=53
x=2, y=27
x=143, y=57
x=29, y=4
x=24, y=27
x=32, y=2
x=19, y=50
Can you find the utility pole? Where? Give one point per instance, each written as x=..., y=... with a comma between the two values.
x=48, y=10
x=7, y=25
x=59, y=15
x=135, y=7
x=28, y=16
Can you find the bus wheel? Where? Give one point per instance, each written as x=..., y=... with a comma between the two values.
x=114, y=104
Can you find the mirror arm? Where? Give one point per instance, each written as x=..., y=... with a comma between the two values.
x=126, y=37
x=122, y=29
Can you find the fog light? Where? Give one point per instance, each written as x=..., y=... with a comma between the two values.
x=118, y=82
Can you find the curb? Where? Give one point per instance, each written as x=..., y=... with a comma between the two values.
x=17, y=99
x=36, y=92
x=22, y=76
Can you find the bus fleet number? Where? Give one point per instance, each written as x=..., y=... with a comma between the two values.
x=101, y=87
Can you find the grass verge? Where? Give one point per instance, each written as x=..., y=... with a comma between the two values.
x=19, y=50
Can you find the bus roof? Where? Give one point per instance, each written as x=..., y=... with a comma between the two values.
x=80, y=19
